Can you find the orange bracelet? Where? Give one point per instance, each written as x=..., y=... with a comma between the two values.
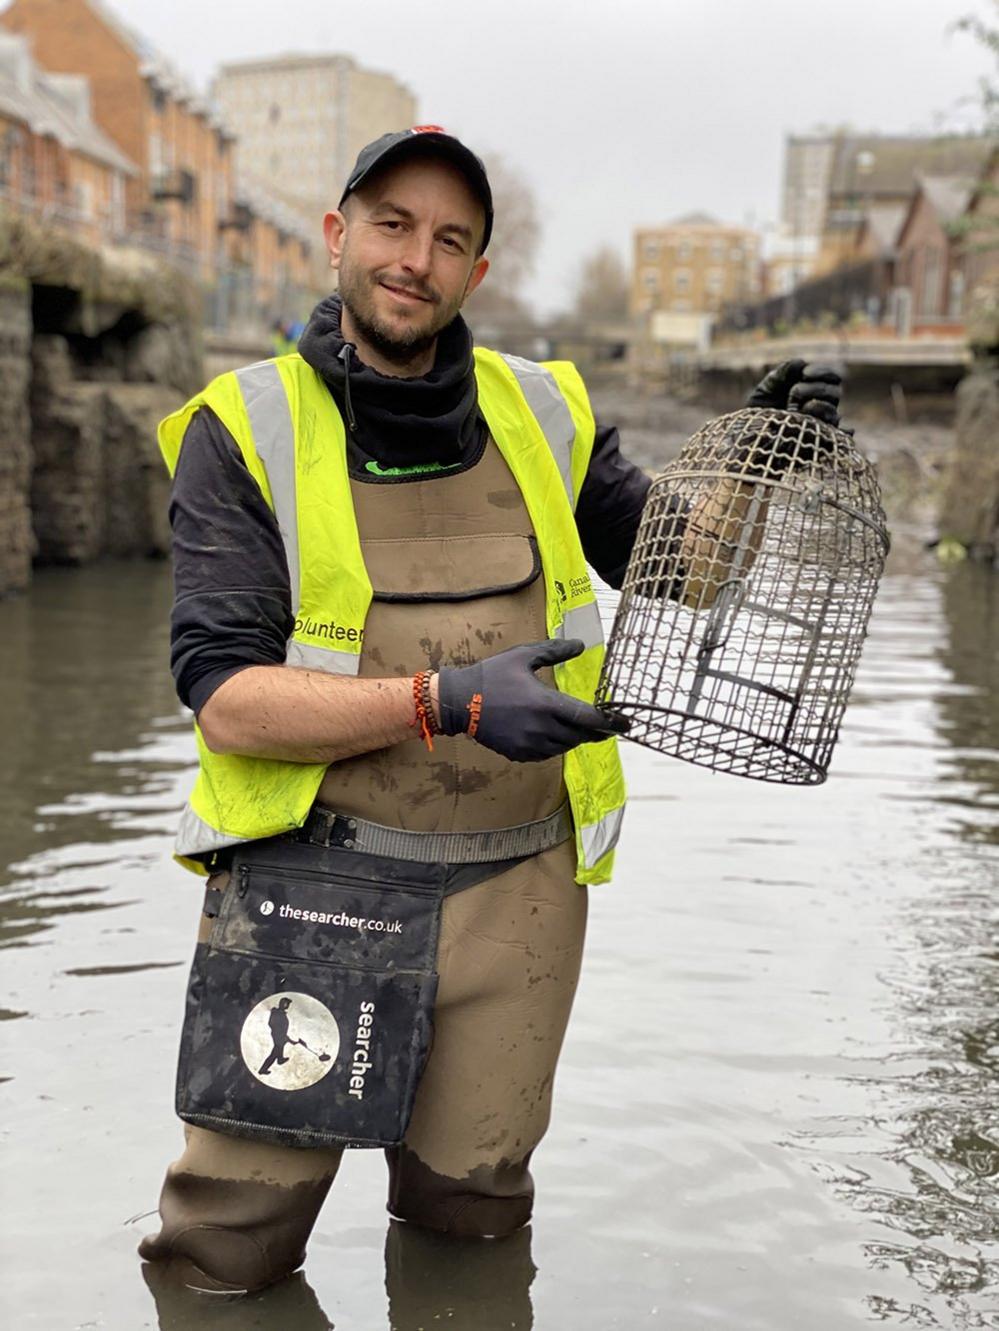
x=424, y=718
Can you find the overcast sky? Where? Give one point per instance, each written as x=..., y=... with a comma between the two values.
x=619, y=113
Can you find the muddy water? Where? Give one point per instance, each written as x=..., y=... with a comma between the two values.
x=777, y=1105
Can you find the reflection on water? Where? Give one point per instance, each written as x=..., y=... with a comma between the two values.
x=429, y=1280
x=92, y=745
x=928, y=1173
x=777, y=1105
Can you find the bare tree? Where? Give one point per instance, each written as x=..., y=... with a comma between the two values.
x=985, y=31
x=512, y=250
x=602, y=289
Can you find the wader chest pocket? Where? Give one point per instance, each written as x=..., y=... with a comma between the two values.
x=309, y=1010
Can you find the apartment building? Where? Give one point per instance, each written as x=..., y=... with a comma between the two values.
x=302, y=120
x=270, y=275
x=833, y=180
x=808, y=168
x=55, y=163
x=184, y=153
x=689, y=270
x=182, y=203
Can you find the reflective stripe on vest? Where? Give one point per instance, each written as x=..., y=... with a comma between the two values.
x=600, y=837
x=583, y=622
x=551, y=412
x=269, y=415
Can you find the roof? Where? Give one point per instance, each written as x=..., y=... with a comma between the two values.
x=158, y=70
x=57, y=105
x=251, y=191
x=948, y=195
x=881, y=165
x=287, y=60
x=695, y=219
x=125, y=34
x=883, y=223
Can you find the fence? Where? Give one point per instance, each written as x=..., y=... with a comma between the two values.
x=862, y=288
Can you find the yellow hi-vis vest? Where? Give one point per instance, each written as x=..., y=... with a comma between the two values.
x=291, y=436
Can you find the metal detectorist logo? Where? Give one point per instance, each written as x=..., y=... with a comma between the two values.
x=290, y=1041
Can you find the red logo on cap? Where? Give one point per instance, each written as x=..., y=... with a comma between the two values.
x=428, y=129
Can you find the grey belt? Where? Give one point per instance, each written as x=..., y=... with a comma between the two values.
x=326, y=827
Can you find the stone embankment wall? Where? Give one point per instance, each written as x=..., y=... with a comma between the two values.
x=91, y=358
x=970, y=509
x=16, y=541
x=99, y=486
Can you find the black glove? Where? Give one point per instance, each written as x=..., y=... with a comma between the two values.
x=502, y=704
x=795, y=386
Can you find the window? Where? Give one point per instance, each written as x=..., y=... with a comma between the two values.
x=735, y=254
x=683, y=251
x=650, y=279
x=717, y=251
x=85, y=198
x=681, y=279
x=681, y=305
x=650, y=250
x=715, y=279
x=955, y=303
x=931, y=283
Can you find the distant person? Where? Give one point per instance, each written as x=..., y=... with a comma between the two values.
x=379, y=544
x=281, y=342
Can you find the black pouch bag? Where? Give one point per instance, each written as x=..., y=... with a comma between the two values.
x=309, y=1010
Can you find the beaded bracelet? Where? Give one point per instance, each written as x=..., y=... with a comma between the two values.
x=425, y=717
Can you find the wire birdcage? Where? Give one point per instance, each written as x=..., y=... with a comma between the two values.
x=747, y=597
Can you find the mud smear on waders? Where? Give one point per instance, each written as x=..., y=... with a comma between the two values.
x=747, y=598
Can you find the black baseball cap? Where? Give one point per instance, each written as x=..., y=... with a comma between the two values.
x=398, y=145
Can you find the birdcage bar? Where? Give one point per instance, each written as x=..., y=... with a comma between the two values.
x=747, y=597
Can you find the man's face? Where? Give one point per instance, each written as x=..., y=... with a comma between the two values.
x=406, y=246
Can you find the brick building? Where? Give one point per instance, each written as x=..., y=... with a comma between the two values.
x=832, y=181
x=302, y=120
x=877, y=173
x=929, y=278
x=181, y=204
x=694, y=265
x=270, y=275
x=55, y=163
x=183, y=151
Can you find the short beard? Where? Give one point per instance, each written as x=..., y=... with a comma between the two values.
x=398, y=349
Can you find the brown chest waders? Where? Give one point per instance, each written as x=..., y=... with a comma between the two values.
x=310, y=1007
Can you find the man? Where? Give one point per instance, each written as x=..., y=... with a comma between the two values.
x=378, y=543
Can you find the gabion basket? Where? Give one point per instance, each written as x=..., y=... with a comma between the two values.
x=747, y=598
